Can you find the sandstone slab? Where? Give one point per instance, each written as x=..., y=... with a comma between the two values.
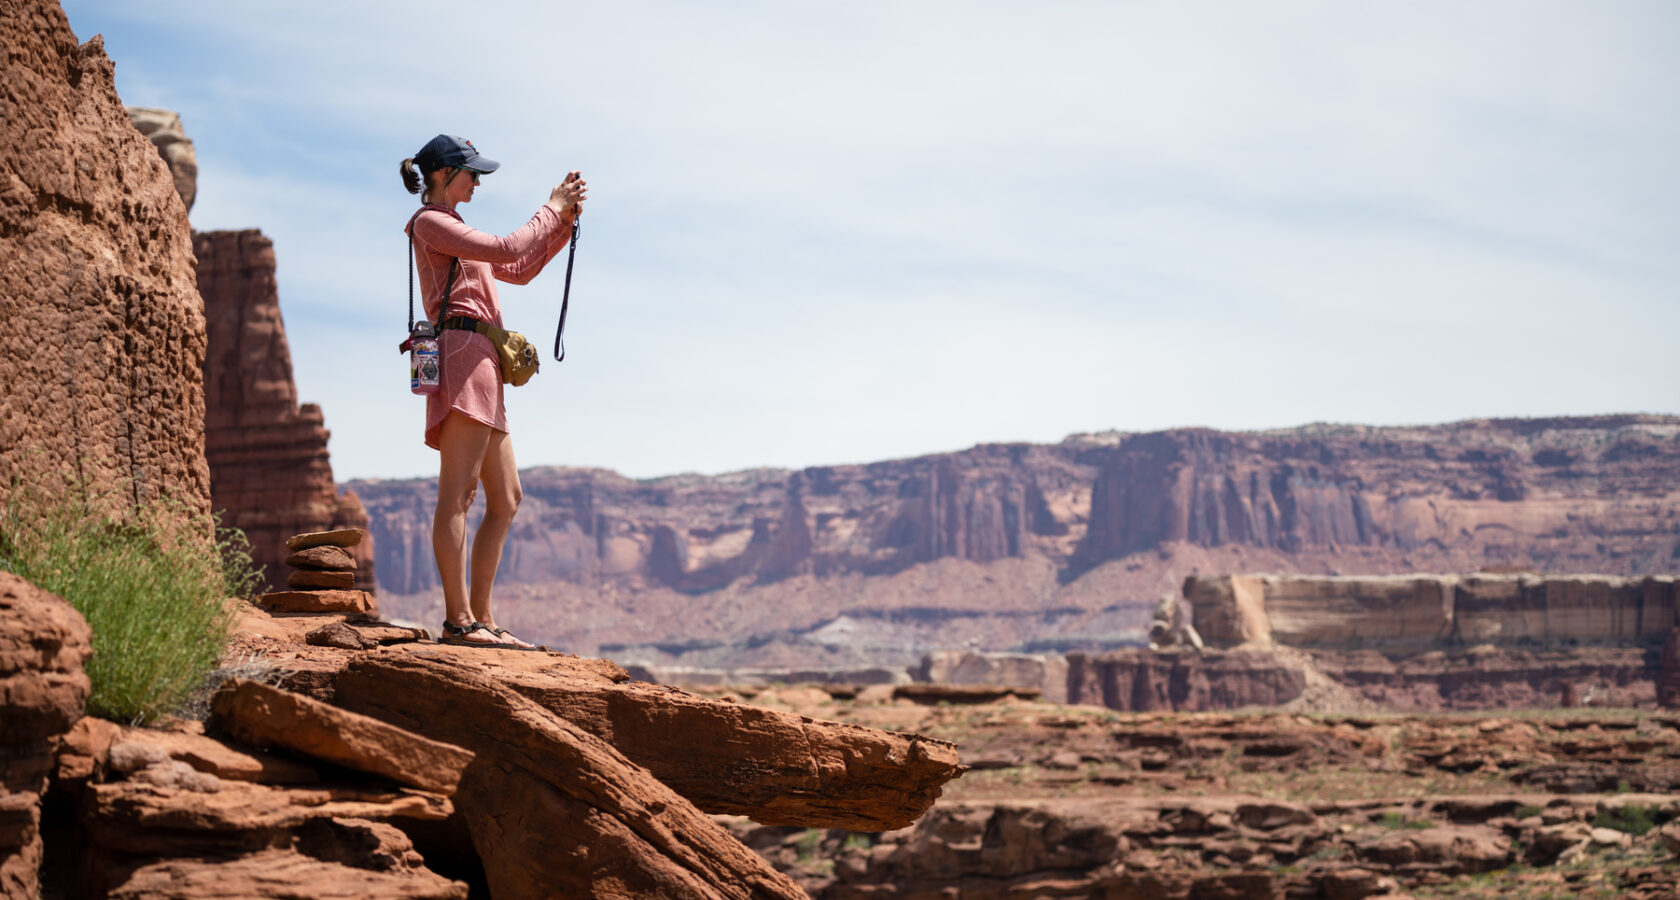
x=342, y=537
x=320, y=579
x=263, y=717
x=325, y=556
x=279, y=874
x=319, y=602
x=775, y=767
x=133, y=749
x=553, y=809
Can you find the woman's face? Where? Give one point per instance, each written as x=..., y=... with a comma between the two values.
x=454, y=186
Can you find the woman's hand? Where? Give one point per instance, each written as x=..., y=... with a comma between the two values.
x=568, y=196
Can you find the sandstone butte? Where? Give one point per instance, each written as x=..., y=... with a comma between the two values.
x=269, y=468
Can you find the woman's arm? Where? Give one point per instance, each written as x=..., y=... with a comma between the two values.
x=527, y=267
x=445, y=234
x=566, y=200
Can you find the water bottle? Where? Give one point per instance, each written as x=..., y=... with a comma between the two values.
x=423, y=359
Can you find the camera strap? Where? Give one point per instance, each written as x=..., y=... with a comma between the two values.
x=566, y=297
x=448, y=285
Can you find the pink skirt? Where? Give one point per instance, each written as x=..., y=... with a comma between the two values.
x=470, y=384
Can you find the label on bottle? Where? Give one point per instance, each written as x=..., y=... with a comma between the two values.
x=423, y=366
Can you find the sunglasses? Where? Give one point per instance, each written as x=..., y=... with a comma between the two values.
x=471, y=172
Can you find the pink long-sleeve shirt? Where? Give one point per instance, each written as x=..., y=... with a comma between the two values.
x=471, y=381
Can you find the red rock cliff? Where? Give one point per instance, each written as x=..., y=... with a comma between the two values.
x=269, y=468
x=1567, y=495
x=103, y=345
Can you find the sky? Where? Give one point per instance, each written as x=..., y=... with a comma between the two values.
x=824, y=233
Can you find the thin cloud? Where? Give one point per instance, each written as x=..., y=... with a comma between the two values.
x=825, y=233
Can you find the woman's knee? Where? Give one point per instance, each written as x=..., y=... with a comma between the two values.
x=503, y=504
x=457, y=502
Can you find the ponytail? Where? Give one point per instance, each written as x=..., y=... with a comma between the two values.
x=411, y=178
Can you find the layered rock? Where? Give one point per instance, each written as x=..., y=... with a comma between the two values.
x=1147, y=681
x=1398, y=615
x=269, y=467
x=104, y=344
x=1668, y=678
x=553, y=809
x=43, y=645
x=1060, y=547
x=723, y=757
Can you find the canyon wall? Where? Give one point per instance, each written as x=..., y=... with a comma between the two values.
x=1046, y=548
x=269, y=469
x=1596, y=494
x=102, y=352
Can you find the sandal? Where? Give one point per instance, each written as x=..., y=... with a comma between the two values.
x=508, y=636
x=457, y=635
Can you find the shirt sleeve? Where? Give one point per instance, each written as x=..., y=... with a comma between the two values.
x=525, y=268
x=447, y=235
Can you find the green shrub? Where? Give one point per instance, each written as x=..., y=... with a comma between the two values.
x=1633, y=818
x=1392, y=820
x=150, y=582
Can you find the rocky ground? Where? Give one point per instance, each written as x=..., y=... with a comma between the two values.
x=1073, y=801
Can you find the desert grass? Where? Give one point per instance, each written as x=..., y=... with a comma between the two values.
x=151, y=581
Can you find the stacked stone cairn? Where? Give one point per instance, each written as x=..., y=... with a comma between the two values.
x=323, y=576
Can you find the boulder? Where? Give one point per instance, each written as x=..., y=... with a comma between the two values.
x=261, y=716
x=340, y=635
x=319, y=602
x=553, y=809
x=775, y=767
x=44, y=643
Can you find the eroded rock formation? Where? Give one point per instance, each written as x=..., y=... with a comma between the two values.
x=269, y=468
x=163, y=128
x=104, y=343
x=43, y=645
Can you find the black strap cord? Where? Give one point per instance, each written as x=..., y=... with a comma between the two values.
x=565, y=298
x=448, y=286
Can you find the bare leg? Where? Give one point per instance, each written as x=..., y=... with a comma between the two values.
x=502, y=494
x=462, y=443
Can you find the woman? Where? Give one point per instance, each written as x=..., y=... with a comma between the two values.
x=466, y=421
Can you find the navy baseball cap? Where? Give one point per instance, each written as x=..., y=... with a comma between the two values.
x=447, y=150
